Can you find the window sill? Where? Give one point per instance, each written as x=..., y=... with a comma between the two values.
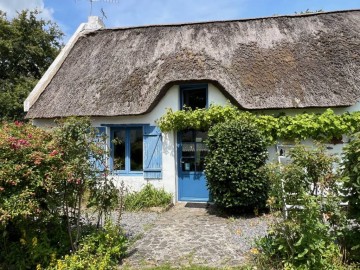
x=119, y=173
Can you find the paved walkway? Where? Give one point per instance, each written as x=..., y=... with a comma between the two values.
x=193, y=234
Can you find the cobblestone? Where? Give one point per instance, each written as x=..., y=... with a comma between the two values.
x=195, y=234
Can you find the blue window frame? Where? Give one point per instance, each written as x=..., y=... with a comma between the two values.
x=194, y=96
x=127, y=150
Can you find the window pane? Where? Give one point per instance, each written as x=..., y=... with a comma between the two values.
x=119, y=149
x=187, y=136
x=195, y=98
x=136, y=149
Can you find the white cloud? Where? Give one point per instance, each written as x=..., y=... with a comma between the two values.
x=13, y=6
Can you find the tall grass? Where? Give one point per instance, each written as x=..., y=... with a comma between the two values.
x=147, y=197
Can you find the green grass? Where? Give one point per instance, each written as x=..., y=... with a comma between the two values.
x=148, y=197
x=194, y=267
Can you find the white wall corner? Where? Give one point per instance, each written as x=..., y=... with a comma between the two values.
x=94, y=23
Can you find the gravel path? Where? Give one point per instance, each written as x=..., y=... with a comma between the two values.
x=136, y=223
x=193, y=234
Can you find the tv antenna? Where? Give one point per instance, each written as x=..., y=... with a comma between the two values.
x=102, y=11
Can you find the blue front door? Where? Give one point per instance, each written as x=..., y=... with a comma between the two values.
x=191, y=153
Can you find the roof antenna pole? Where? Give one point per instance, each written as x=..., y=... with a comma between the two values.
x=102, y=11
x=91, y=6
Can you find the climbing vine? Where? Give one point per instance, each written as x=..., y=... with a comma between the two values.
x=323, y=127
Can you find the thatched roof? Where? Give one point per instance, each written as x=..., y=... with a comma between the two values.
x=276, y=62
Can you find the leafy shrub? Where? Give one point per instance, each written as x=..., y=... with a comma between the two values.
x=44, y=175
x=85, y=170
x=310, y=170
x=351, y=172
x=30, y=177
x=308, y=236
x=147, y=197
x=303, y=240
x=236, y=152
x=29, y=161
x=102, y=249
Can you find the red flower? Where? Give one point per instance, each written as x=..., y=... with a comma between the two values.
x=18, y=123
x=17, y=143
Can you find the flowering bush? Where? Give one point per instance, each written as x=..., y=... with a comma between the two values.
x=44, y=175
x=29, y=173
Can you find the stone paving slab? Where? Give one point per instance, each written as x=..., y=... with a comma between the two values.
x=196, y=235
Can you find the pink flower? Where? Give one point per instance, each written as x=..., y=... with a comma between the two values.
x=17, y=143
x=23, y=142
x=54, y=153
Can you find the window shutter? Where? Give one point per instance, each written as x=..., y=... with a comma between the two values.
x=98, y=140
x=152, y=152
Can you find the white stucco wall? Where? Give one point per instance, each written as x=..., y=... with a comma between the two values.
x=169, y=156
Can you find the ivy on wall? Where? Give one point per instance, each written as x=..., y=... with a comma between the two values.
x=323, y=127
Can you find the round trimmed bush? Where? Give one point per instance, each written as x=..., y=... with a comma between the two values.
x=236, y=152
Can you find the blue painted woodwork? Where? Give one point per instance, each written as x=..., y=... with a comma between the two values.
x=152, y=152
x=127, y=170
x=191, y=181
x=191, y=87
x=98, y=140
x=124, y=125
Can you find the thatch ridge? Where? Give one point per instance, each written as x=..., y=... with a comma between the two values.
x=291, y=61
x=227, y=21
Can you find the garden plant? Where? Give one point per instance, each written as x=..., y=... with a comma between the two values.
x=236, y=153
x=44, y=176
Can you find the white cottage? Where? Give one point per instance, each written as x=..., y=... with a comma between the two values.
x=126, y=78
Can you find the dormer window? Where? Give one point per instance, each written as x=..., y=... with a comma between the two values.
x=193, y=96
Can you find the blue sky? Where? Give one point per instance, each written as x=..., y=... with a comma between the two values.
x=70, y=13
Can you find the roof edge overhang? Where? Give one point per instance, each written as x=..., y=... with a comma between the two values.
x=164, y=89
x=244, y=109
x=92, y=25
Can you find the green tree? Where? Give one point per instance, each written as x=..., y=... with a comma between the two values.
x=28, y=45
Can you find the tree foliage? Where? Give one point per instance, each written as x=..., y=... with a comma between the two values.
x=28, y=45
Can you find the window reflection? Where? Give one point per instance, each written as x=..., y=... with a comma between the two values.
x=128, y=149
x=119, y=149
x=193, y=150
x=136, y=149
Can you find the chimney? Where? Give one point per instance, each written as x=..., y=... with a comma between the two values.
x=94, y=23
